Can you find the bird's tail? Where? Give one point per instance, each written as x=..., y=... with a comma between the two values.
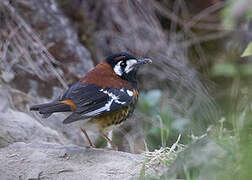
x=48, y=108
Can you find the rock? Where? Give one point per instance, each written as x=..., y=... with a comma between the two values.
x=52, y=161
x=4, y=99
x=44, y=29
x=17, y=126
x=17, y=123
x=70, y=131
x=57, y=34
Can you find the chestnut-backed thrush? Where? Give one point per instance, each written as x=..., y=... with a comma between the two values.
x=104, y=98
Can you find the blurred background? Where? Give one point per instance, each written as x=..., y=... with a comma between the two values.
x=197, y=89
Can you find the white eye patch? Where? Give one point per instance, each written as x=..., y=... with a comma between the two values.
x=118, y=69
x=130, y=65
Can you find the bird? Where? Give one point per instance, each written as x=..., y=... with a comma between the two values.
x=104, y=98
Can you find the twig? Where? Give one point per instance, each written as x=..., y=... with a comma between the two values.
x=48, y=57
x=204, y=13
x=205, y=38
x=169, y=14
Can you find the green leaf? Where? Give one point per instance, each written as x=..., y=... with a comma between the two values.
x=248, y=50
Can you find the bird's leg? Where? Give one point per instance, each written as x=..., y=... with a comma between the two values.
x=110, y=135
x=109, y=141
x=90, y=142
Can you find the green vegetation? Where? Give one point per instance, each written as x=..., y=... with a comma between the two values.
x=224, y=150
x=248, y=50
x=221, y=153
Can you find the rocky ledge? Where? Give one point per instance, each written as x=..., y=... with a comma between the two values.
x=53, y=161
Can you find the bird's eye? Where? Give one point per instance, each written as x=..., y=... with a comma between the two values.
x=123, y=64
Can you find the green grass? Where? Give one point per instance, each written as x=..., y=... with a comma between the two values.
x=224, y=152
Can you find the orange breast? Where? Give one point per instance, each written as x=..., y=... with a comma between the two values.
x=103, y=75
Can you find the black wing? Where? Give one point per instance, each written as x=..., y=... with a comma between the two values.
x=92, y=100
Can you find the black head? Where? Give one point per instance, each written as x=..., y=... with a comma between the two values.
x=126, y=65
